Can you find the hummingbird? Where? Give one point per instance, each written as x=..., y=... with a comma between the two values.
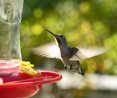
x=70, y=56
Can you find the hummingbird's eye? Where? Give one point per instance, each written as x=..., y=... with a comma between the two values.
x=62, y=36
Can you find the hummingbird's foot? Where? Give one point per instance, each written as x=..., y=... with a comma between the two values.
x=65, y=66
x=70, y=67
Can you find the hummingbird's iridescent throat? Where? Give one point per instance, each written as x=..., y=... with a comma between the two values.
x=60, y=39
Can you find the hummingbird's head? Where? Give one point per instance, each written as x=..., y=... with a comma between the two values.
x=61, y=40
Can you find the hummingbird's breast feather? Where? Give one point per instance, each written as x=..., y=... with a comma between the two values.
x=65, y=54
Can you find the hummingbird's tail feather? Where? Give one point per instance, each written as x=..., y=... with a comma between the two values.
x=76, y=67
x=80, y=71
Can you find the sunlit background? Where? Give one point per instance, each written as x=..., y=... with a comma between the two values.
x=85, y=23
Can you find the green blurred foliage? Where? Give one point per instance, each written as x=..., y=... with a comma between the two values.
x=85, y=23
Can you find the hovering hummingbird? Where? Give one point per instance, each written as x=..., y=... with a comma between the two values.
x=69, y=56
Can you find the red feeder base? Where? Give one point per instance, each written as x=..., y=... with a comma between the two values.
x=19, y=85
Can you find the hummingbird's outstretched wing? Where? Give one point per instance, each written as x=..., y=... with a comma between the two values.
x=49, y=50
x=83, y=53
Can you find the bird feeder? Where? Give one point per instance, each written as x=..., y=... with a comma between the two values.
x=14, y=83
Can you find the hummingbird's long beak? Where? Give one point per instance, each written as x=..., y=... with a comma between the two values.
x=55, y=36
x=50, y=32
